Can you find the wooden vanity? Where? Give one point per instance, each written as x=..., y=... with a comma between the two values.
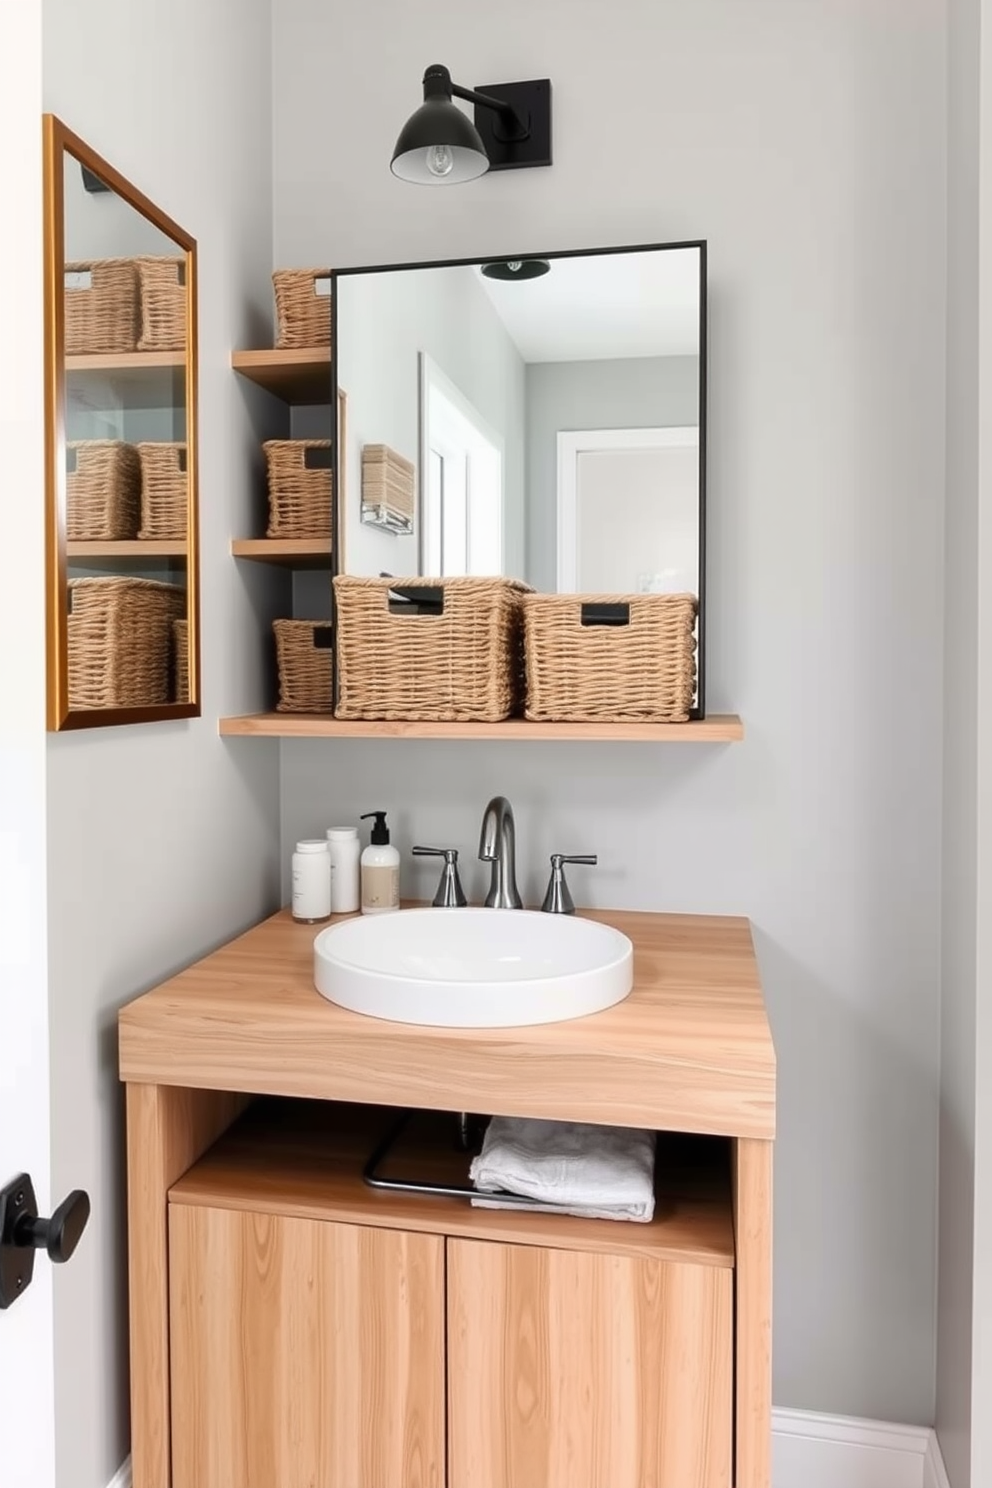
x=291, y=1326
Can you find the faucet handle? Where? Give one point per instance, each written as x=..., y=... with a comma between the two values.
x=558, y=900
x=450, y=894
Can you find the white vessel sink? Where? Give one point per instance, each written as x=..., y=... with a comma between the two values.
x=472, y=968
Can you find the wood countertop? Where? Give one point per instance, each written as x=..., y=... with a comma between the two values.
x=689, y=1050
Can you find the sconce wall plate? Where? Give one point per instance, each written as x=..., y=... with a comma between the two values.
x=532, y=101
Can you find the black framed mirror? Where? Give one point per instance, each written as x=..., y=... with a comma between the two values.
x=541, y=417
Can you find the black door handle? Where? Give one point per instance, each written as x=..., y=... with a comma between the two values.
x=22, y=1232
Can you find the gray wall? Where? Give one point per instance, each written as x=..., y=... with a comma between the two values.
x=807, y=143
x=638, y=392
x=961, y=681
x=163, y=838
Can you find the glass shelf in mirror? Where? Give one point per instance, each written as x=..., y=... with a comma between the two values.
x=120, y=283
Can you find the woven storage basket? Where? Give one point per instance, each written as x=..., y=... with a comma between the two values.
x=120, y=636
x=163, y=304
x=306, y=665
x=106, y=316
x=180, y=641
x=461, y=662
x=164, y=491
x=304, y=315
x=102, y=490
x=580, y=669
x=299, y=487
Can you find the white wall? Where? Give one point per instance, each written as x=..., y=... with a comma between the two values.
x=384, y=322
x=807, y=143
x=163, y=838
x=27, y=1384
x=632, y=392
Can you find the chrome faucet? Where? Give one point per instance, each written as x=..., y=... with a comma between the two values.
x=497, y=845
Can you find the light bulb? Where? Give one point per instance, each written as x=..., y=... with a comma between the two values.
x=514, y=265
x=440, y=160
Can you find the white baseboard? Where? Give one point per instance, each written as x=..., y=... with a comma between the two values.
x=122, y=1478
x=934, y=1471
x=814, y=1451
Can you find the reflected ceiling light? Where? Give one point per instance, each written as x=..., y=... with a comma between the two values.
x=511, y=269
x=439, y=145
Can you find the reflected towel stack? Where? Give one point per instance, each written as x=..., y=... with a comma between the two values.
x=595, y=1172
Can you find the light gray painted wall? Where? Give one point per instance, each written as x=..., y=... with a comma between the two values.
x=981, y=1395
x=807, y=143
x=163, y=838
x=638, y=392
x=961, y=685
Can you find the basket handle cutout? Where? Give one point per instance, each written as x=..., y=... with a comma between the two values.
x=420, y=601
x=181, y=452
x=322, y=286
x=323, y=638
x=79, y=279
x=71, y=460
x=606, y=614
x=181, y=272
x=317, y=459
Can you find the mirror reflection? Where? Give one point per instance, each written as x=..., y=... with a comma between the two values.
x=539, y=418
x=122, y=465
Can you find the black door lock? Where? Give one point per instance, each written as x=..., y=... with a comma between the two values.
x=22, y=1232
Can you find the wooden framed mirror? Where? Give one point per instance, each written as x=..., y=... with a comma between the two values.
x=121, y=468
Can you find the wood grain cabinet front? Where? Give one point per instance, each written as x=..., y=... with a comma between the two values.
x=304, y=1354
x=572, y=1370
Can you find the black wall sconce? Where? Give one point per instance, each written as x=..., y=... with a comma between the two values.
x=441, y=146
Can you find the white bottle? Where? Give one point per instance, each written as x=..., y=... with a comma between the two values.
x=312, y=881
x=380, y=870
x=345, y=850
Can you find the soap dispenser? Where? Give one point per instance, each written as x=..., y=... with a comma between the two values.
x=380, y=869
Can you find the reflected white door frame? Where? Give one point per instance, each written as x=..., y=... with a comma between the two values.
x=575, y=442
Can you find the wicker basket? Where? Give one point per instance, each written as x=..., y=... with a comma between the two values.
x=299, y=487
x=455, y=657
x=610, y=657
x=304, y=315
x=104, y=316
x=306, y=665
x=163, y=304
x=120, y=636
x=180, y=642
x=102, y=490
x=164, y=491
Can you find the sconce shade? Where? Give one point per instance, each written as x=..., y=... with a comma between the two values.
x=439, y=134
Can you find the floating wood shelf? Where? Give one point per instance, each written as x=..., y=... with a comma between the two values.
x=288, y=552
x=301, y=377
x=717, y=728
x=151, y=548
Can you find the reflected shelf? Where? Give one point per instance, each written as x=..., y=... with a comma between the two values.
x=297, y=376
x=717, y=728
x=287, y=552
x=141, y=548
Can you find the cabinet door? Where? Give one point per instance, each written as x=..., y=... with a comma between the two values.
x=570, y=1370
x=304, y=1354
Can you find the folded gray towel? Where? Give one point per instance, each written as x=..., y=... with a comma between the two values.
x=597, y=1172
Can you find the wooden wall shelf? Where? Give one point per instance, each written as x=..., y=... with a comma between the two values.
x=125, y=361
x=150, y=548
x=288, y=552
x=300, y=377
x=717, y=728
